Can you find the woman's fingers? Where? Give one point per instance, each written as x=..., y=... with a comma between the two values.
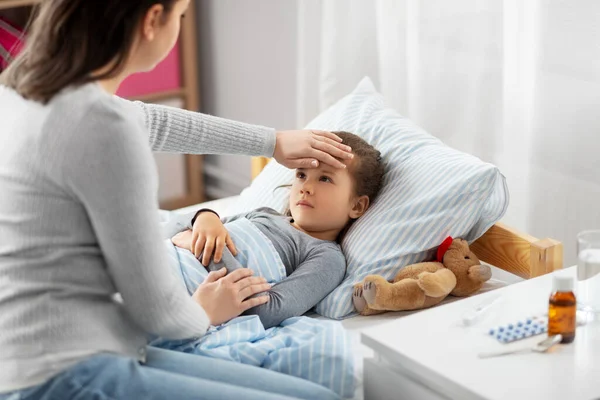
x=209, y=247
x=231, y=245
x=253, y=302
x=331, y=149
x=325, y=157
x=214, y=276
x=327, y=134
x=305, y=163
x=252, y=290
x=254, y=280
x=346, y=150
x=238, y=274
x=306, y=149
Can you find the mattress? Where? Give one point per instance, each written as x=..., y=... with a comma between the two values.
x=355, y=325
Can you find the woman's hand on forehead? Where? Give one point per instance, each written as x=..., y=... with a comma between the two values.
x=308, y=149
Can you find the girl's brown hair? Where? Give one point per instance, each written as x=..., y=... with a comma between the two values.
x=70, y=39
x=367, y=169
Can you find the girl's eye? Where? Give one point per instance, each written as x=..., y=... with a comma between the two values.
x=326, y=179
x=300, y=175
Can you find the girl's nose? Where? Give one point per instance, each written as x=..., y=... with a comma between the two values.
x=307, y=188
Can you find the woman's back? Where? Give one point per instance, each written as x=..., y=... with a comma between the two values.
x=56, y=295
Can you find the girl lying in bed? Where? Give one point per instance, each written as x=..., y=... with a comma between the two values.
x=298, y=253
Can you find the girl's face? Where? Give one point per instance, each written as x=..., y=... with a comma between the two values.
x=158, y=34
x=322, y=201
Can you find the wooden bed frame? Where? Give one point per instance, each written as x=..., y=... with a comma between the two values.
x=501, y=246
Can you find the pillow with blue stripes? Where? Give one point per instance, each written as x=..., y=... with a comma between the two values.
x=430, y=191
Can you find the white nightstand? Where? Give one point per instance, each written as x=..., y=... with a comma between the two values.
x=430, y=355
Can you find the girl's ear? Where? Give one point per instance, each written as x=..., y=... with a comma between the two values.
x=361, y=204
x=152, y=21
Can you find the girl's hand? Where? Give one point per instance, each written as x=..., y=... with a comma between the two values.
x=183, y=239
x=305, y=148
x=210, y=235
x=225, y=297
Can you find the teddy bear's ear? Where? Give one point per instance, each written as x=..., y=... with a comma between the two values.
x=444, y=248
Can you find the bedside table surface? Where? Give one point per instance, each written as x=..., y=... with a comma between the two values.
x=435, y=349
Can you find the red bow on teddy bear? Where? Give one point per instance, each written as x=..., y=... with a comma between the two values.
x=443, y=248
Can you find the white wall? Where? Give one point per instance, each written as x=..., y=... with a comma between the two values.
x=247, y=73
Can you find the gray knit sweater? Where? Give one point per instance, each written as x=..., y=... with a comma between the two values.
x=79, y=223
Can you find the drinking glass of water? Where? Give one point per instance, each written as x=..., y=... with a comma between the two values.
x=588, y=273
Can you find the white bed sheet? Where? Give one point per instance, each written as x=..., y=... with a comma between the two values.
x=356, y=324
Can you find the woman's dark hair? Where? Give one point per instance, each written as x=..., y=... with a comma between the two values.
x=70, y=39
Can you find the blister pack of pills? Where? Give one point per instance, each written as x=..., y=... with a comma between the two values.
x=527, y=327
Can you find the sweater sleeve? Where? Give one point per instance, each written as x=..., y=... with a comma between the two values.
x=320, y=273
x=180, y=131
x=249, y=214
x=111, y=172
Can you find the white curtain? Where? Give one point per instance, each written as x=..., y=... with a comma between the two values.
x=514, y=82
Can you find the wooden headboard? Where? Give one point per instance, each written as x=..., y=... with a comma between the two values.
x=502, y=246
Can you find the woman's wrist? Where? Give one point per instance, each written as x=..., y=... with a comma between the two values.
x=270, y=142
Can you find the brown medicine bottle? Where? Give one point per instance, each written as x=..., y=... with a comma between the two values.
x=562, y=309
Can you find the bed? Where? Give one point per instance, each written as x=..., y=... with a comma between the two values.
x=512, y=255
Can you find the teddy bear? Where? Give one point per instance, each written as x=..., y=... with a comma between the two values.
x=457, y=271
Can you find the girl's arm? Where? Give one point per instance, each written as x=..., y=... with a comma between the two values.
x=315, y=278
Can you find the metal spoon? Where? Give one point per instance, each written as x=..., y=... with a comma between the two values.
x=541, y=347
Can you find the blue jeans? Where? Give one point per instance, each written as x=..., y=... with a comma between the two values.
x=169, y=375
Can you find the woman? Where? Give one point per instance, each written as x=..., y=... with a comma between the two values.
x=76, y=176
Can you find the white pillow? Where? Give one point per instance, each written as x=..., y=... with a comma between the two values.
x=430, y=191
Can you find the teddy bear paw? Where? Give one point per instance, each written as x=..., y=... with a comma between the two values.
x=357, y=298
x=433, y=286
x=480, y=273
x=369, y=292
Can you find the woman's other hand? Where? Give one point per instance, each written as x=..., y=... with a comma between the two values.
x=307, y=148
x=210, y=235
x=225, y=297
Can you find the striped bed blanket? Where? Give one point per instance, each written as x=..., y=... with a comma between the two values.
x=316, y=350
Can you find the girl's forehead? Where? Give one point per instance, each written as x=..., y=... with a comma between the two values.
x=329, y=170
